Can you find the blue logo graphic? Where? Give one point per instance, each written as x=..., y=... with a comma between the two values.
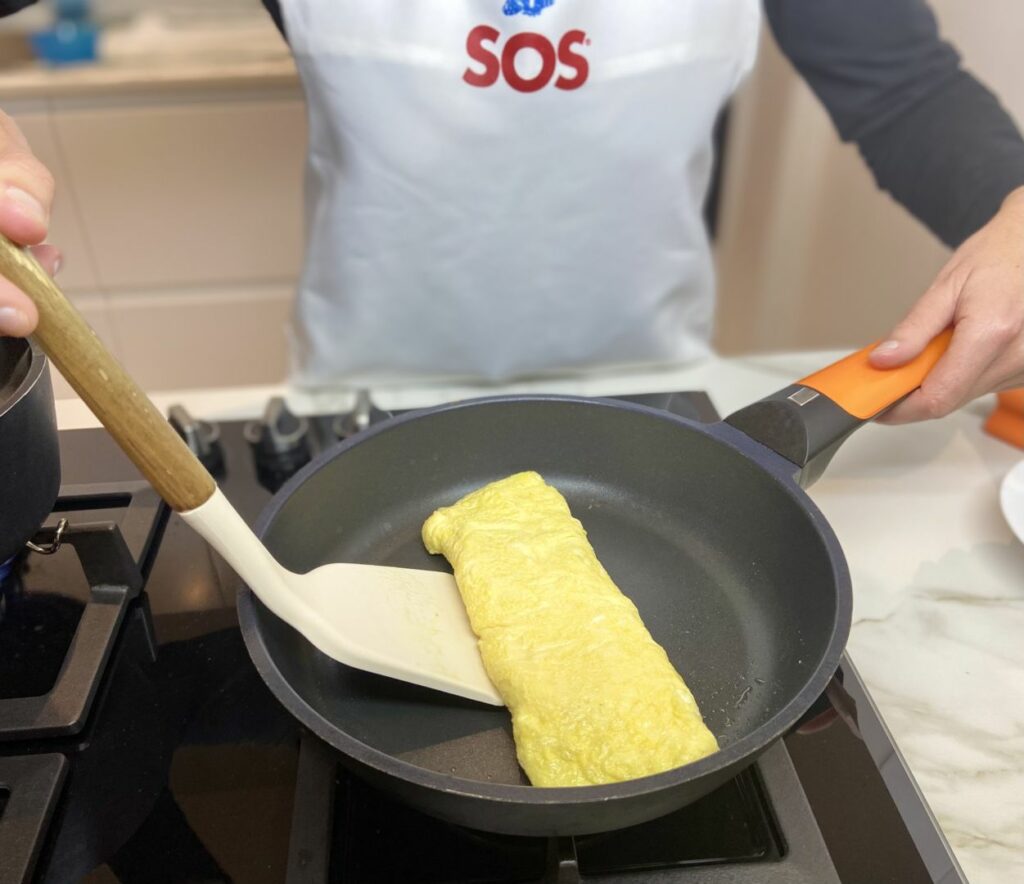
x=527, y=7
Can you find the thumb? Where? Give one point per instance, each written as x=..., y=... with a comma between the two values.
x=932, y=314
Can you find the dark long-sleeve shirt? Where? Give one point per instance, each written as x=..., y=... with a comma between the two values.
x=934, y=136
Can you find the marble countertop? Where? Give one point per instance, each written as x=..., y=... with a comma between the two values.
x=938, y=632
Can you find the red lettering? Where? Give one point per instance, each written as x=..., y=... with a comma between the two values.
x=482, y=55
x=572, y=60
x=482, y=47
x=527, y=40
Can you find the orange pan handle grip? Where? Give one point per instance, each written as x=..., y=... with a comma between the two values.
x=864, y=391
x=1007, y=421
x=1011, y=400
x=806, y=422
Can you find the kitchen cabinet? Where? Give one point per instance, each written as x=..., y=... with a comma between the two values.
x=200, y=337
x=180, y=217
x=78, y=275
x=188, y=193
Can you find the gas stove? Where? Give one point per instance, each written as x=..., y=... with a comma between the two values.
x=138, y=743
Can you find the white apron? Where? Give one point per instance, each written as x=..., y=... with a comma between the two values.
x=499, y=189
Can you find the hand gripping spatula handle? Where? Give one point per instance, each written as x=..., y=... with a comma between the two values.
x=402, y=623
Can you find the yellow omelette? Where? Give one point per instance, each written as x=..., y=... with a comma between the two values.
x=594, y=699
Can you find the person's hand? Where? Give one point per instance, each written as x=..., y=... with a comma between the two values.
x=26, y=192
x=980, y=292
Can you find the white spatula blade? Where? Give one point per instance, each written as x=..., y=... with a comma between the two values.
x=399, y=622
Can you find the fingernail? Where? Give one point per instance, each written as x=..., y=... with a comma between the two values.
x=13, y=322
x=27, y=204
x=58, y=262
x=887, y=347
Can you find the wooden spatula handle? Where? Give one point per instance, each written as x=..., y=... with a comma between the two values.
x=119, y=403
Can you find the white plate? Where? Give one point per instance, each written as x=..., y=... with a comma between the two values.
x=1012, y=499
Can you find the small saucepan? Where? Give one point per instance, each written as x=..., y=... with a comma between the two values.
x=29, y=454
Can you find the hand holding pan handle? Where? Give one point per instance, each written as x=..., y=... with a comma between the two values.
x=806, y=422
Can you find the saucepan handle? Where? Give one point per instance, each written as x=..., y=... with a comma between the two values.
x=122, y=407
x=806, y=422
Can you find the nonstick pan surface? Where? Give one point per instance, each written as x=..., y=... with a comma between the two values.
x=733, y=570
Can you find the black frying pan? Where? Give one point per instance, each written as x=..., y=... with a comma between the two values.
x=733, y=568
x=706, y=527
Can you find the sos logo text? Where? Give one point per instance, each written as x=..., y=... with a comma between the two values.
x=494, y=60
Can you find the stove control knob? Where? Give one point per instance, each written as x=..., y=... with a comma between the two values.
x=362, y=415
x=202, y=438
x=280, y=439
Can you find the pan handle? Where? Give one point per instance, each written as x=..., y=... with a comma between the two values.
x=806, y=422
x=122, y=407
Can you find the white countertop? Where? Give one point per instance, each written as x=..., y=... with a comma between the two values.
x=938, y=578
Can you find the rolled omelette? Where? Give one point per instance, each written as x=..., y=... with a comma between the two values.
x=594, y=699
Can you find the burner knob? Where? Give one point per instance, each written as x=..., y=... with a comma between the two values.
x=362, y=415
x=279, y=440
x=202, y=438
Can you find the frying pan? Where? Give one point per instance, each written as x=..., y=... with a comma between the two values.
x=706, y=527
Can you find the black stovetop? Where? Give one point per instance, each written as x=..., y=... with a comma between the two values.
x=138, y=743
